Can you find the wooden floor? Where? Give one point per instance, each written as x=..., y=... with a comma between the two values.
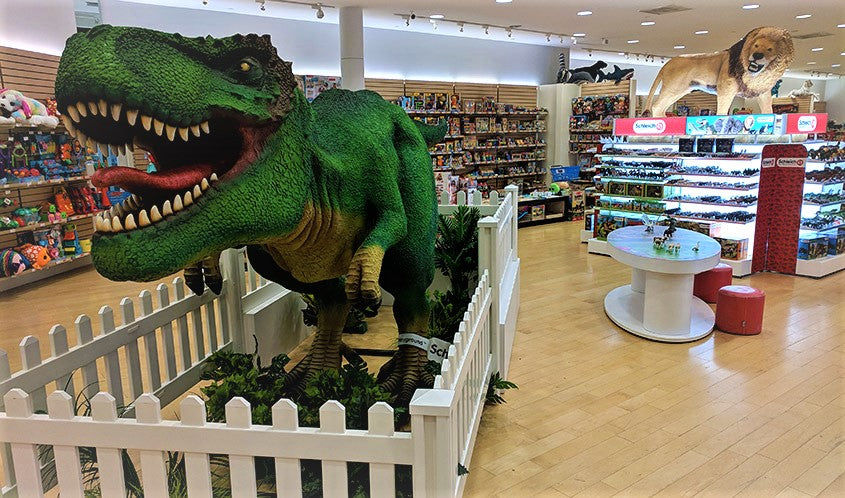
x=601, y=412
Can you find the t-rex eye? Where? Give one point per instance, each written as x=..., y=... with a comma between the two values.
x=245, y=66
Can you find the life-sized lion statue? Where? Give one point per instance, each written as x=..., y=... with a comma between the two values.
x=750, y=68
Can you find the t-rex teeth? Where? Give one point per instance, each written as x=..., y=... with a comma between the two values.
x=195, y=129
x=155, y=215
x=122, y=149
x=116, y=226
x=103, y=225
x=143, y=219
x=115, y=111
x=97, y=221
x=118, y=210
x=171, y=132
x=146, y=122
x=68, y=125
x=112, y=150
x=159, y=126
x=177, y=203
x=204, y=184
x=130, y=147
x=131, y=116
x=204, y=126
x=80, y=107
x=104, y=107
x=183, y=132
x=136, y=200
x=197, y=192
x=188, y=199
x=82, y=138
x=130, y=222
x=92, y=108
x=166, y=209
x=73, y=113
x=101, y=148
x=129, y=203
x=213, y=177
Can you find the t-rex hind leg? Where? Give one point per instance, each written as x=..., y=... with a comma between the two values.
x=332, y=308
x=406, y=371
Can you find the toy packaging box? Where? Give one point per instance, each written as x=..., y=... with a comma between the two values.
x=836, y=243
x=734, y=249
x=524, y=214
x=812, y=247
x=695, y=226
x=538, y=212
x=606, y=224
x=654, y=191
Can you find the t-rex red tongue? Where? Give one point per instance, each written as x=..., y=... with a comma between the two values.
x=139, y=182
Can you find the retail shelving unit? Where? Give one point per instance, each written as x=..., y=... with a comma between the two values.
x=822, y=217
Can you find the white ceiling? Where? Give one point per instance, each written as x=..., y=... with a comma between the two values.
x=616, y=21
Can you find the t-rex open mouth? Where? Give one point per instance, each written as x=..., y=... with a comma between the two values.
x=189, y=159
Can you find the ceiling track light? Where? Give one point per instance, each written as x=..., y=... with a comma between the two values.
x=509, y=31
x=319, y=8
x=263, y=7
x=574, y=40
x=461, y=27
x=548, y=37
x=486, y=29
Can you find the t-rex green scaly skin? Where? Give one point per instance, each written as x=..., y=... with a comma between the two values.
x=331, y=198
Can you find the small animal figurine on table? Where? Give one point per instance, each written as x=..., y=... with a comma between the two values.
x=671, y=228
x=804, y=90
x=649, y=225
x=696, y=248
x=658, y=242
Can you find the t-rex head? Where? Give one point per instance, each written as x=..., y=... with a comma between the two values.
x=206, y=109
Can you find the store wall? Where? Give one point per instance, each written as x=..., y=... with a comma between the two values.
x=835, y=98
x=36, y=26
x=314, y=46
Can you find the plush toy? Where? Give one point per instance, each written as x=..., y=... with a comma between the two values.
x=36, y=255
x=617, y=75
x=804, y=90
x=22, y=109
x=12, y=263
x=580, y=75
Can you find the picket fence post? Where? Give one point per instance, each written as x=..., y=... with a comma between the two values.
x=234, y=288
x=434, y=432
x=488, y=260
x=513, y=192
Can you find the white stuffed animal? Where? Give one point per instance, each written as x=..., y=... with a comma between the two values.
x=804, y=90
x=22, y=109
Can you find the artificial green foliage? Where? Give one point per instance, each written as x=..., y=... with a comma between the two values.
x=462, y=471
x=356, y=322
x=497, y=383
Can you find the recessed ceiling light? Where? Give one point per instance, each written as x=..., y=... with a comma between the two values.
x=811, y=63
x=579, y=35
x=817, y=49
x=621, y=53
x=647, y=23
x=585, y=13
x=437, y=16
x=751, y=6
x=702, y=32
x=504, y=1
x=804, y=16
x=679, y=47
x=633, y=41
x=840, y=25
x=835, y=65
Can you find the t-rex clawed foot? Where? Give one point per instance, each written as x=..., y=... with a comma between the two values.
x=362, y=287
x=316, y=361
x=404, y=373
x=206, y=272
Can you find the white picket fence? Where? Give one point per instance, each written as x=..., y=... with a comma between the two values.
x=444, y=420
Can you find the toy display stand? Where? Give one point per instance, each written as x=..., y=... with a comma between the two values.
x=659, y=304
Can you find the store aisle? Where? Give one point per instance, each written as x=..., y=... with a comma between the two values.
x=600, y=411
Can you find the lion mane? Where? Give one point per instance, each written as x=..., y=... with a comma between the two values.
x=752, y=86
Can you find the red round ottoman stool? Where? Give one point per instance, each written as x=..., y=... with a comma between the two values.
x=739, y=310
x=707, y=284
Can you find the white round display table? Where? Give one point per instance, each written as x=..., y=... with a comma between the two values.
x=659, y=304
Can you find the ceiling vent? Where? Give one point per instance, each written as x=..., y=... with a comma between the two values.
x=666, y=9
x=808, y=36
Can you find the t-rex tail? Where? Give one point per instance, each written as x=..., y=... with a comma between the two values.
x=657, y=80
x=432, y=134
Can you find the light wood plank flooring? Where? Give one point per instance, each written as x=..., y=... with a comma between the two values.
x=601, y=412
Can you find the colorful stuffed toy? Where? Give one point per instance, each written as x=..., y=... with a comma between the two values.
x=12, y=263
x=36, y=255
x=22, y=109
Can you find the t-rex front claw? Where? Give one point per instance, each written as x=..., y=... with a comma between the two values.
x=405, y=373
x=362, y=287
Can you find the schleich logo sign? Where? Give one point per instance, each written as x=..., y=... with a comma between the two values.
x=650, y=126
x=806, y=123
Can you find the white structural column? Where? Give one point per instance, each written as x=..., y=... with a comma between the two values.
x=352, y=48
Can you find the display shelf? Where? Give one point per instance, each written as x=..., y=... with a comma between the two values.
x=826, y=204
x=712, y=220
x=42, y=183
x=677, y=157
x=635, y=180
x=752, y=186
x=502, y=132
x=703, y=203
x=52, y=268
x=716, y=175
x=505, y=147
x=36, y=226
x=820, y=267
x=494, y=163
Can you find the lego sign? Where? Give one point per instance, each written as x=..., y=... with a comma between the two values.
x=650, y=126
x=806, y=123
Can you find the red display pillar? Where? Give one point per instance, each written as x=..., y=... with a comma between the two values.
x=779, y=201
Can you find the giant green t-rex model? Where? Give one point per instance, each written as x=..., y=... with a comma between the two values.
x=332, y=198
